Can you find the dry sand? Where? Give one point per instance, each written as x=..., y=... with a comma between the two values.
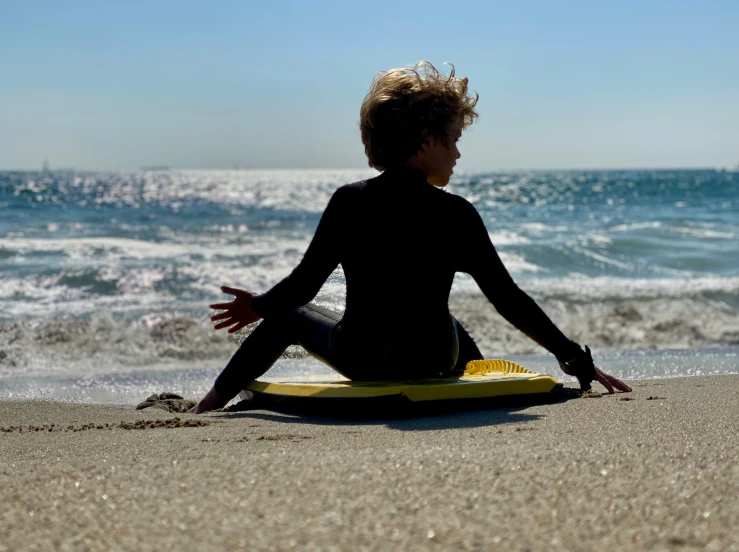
x=656, y=473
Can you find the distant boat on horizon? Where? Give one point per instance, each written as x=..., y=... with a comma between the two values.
x=155, y=168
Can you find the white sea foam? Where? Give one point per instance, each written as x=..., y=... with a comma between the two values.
x=539, y=228
x=602, y=258
x=103, y=344
x=586, y=288
x=704, y=233
x=516, y=263
x=92, y=249
x=507, y=237
x=121, y=281
x=582, y=288
x=635, y=226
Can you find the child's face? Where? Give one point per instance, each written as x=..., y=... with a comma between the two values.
x=439, y=159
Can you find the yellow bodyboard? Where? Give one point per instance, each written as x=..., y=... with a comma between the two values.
x=481, y=379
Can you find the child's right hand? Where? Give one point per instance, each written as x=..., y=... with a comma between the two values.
x=238, y=313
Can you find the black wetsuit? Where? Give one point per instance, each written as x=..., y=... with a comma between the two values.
x=400, y=241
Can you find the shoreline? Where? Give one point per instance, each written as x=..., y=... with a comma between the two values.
x=655, y=468
x=126, y=385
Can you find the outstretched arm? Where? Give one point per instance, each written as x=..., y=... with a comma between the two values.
x=482, y=262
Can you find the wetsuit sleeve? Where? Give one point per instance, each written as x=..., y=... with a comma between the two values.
x=481, y=261
x=319, y=261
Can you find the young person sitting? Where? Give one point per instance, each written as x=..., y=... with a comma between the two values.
x=400, y=238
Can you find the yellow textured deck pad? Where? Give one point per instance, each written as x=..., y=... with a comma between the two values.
x=482, y=378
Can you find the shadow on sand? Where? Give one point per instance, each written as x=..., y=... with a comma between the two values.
x=398, y=414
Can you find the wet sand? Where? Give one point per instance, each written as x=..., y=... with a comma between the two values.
x=654, y=469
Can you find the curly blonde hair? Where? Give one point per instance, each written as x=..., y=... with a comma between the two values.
x=405, y=106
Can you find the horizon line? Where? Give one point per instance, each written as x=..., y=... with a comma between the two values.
x=239, y=169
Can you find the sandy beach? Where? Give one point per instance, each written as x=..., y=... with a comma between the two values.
x=654, y=469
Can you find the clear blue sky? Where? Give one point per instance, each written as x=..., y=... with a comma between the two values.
x=278, y=84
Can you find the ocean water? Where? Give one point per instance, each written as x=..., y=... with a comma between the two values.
x=105, y=278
